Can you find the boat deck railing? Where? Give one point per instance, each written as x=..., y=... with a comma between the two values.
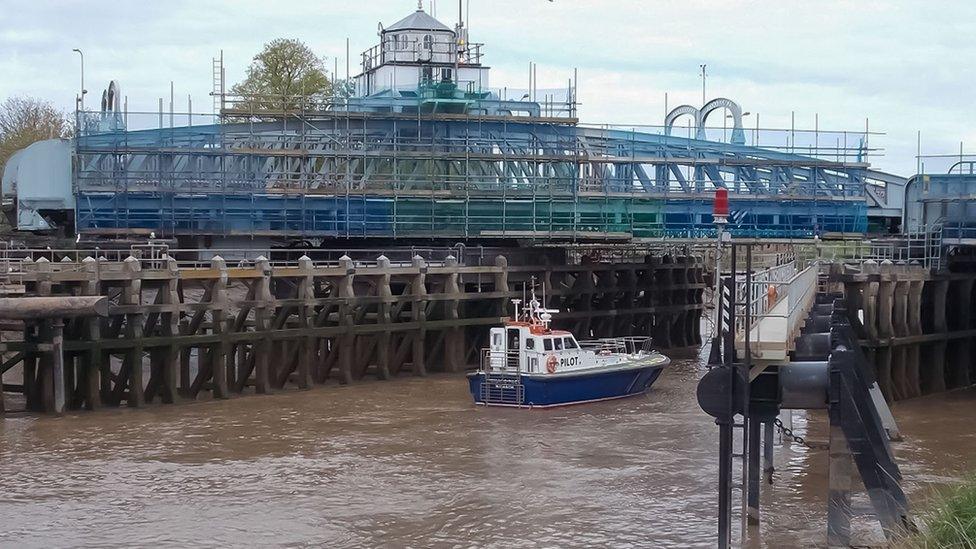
x=499, y=361
x=619, y=345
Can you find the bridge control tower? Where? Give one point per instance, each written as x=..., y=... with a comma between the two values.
x=419, y=50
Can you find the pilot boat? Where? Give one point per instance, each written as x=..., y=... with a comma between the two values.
x=528, y=364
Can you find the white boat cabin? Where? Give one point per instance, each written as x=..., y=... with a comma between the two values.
x=529, y=346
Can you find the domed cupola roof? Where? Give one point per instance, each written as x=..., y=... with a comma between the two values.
x=418, y=20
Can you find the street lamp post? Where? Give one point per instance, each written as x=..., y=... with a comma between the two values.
x=81, y=98
x=703, y=82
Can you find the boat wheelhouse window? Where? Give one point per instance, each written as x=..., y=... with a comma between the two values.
x=496, y=340
x=570, y=344
x=547, y=344
x=558, y=343
x=530, y=343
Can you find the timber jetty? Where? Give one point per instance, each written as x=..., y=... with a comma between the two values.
x=177, y=331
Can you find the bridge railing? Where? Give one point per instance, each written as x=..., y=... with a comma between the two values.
x=760, y=302
x=960, y=231
x=776, y=318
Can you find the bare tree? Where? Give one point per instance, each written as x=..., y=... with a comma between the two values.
x=25, y=120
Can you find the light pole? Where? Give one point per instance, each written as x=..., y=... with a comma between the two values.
x=703, y=82
x=81, y=98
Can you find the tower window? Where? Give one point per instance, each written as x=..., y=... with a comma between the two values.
x=428, y=42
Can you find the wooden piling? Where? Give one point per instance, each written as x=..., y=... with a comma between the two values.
x=182, y=333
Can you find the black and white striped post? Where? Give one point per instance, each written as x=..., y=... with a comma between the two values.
x=720, y=214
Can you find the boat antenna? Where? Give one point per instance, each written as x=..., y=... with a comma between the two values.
x=534, y=304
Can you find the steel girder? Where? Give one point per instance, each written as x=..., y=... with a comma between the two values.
x=442, y=158
x=379, y=154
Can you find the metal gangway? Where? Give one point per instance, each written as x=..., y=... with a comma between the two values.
x=783, y=344
x=779, y=300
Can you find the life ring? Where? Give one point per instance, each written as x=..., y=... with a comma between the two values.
x=551, y=363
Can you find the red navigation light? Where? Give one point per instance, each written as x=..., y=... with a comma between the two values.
x=721, y=207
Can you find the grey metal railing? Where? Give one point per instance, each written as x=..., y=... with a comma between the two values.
x=924, y=247
x=619, y=345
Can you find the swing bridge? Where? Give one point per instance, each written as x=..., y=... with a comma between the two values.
x=341, y=169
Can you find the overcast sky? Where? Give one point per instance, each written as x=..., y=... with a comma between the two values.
x=904, y=66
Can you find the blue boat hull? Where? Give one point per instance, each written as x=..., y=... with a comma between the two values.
x=541, y=390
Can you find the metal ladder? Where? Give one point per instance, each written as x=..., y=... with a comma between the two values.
x=505, y=386
x=218, y=83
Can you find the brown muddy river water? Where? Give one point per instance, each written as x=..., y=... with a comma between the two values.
x=412, y=463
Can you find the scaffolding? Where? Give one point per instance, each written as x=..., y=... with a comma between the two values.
x=301, y=167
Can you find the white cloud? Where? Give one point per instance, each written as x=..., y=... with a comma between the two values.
x=904, y=65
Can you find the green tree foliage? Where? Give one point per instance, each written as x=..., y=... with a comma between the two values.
x=285, y=71
x=25, y=120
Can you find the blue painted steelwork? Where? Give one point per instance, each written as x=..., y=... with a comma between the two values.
x=39, y=176
x=364, y=174
x=784, y=218
x=700, y=117
x=944, y=201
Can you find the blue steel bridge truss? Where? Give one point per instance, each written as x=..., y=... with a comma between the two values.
x=389, y=175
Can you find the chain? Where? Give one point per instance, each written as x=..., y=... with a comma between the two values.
x=788, y=433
